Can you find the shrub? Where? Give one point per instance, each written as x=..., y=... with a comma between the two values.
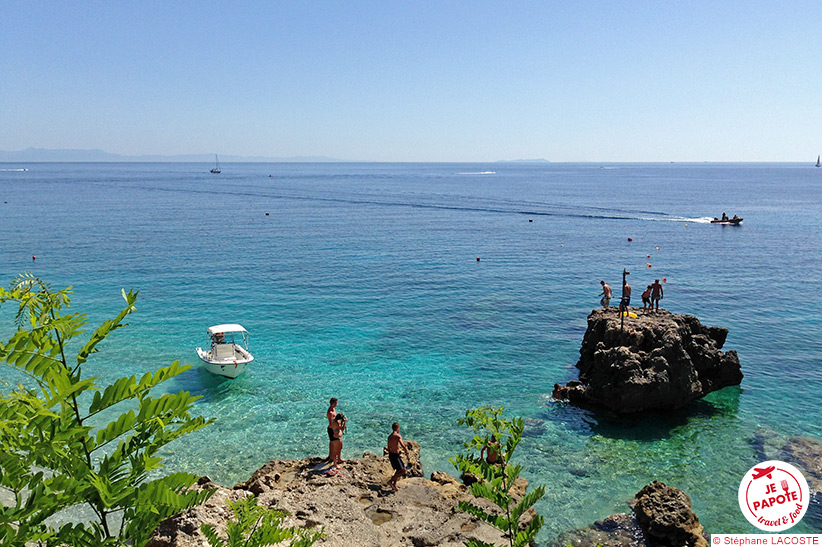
x=52, y=456
x=493, y=432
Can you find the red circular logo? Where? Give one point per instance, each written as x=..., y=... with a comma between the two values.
x=773, y=496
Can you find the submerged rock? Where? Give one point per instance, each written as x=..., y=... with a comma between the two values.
x=354, y=506
x=662, y=516
x=806, y=454
x=660, y=361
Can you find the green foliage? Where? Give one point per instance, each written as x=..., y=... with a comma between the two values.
x=493, y=432
x=55, y=454
x=255, y=526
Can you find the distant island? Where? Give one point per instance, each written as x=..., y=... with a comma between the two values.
x=96, y=155
x=537, y=160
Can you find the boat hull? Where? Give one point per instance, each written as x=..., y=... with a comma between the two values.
x=226, y=367
x=730, y=221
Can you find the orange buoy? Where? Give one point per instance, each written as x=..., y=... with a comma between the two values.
x=33, y=257
x=647, y=256
x=664, y=279
x=629, y=239
x=648, y=264
x=478, y=259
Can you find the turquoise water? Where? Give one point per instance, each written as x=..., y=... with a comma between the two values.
x=363, y=283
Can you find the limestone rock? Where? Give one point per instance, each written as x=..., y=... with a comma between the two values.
x=665, y=514
x=661, y=361
x=354, y=506
x=662, y=517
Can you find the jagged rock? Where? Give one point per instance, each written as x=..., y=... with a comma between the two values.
x=665, y=514
x=355, y=506
x=661, y=361
x=662, y=517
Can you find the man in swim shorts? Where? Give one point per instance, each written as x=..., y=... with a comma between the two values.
x=625, y=301
x=394, y=445
x=605, y=294
x=656, y=294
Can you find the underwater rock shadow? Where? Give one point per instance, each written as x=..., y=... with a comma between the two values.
x=641, y=426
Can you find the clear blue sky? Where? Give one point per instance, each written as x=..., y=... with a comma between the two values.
x=416, y=81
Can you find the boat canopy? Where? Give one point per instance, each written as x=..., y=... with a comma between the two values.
x=228, y=327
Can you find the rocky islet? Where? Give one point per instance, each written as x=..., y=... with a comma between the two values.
x=656, y=361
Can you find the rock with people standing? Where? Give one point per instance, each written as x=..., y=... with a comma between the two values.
x=649, y=361
x=354, y=506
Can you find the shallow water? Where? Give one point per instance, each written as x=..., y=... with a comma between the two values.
x=363, y=283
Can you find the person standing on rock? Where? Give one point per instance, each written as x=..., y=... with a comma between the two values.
x=338, y=432
x=334, y=432
x=656, y=294
x=605, y=294
x=646, y=298
x=625, y=301
x=494, y=453
x=394, y=445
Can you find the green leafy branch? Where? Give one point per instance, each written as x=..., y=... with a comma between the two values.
x=256, y=526
x=495, y=434
x=51, y=454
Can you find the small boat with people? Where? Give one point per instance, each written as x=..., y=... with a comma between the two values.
x=228, y=352
x=725, y=220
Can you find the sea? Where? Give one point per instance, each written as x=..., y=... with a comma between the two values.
x=413, y=292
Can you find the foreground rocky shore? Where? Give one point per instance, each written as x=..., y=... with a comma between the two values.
x=356, y=508
x=655, y=361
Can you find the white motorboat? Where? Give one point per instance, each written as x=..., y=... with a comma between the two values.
x=228, y=354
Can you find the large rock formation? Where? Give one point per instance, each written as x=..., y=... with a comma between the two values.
x=355, y=507
x=660, y=361
x=662, y=517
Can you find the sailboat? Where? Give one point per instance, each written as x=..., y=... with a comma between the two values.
x=818, y=163
x=217, y=167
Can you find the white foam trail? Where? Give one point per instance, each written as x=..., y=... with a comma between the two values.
x=699, y=220
x=15, y=170
x=480, y=173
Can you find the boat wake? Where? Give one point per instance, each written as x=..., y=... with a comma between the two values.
x=480, y=173
x=504, y=207
x=698, y=220
x=13, y=170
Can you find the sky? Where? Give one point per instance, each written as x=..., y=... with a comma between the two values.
x=416, y=81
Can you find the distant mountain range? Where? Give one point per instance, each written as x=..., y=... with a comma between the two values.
x=68, y=155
